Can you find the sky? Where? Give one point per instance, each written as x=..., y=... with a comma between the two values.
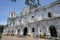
x=7, y=6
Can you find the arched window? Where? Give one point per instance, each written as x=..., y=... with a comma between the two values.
x=10, y=24
x=13, y=23
x=49, y=14
x=21, y=17
x=12, y=15
x=9, y=31
x=33, y=30
x=19, y=20
x=12, y=31
x=32, y=16
x=40, y=30
x=18, y=30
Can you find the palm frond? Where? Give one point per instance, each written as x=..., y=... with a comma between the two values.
x=13, y=0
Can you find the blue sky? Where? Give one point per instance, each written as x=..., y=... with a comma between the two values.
x=7, y=6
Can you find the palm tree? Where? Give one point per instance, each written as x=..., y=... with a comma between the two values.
x=32, y=3
x=38, y=2
x=27, y=2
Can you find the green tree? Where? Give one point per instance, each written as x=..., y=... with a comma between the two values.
x=33, y=2
x=1, y=29
x=27, y=2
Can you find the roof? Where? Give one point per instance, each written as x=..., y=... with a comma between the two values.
x=40, y=8
x=35, y=9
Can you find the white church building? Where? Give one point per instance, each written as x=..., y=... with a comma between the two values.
x=43, y=20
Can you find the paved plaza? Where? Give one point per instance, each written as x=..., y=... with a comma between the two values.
x=23, y=38
x=18, y=38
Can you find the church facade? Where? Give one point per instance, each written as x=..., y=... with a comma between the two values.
x=43, y=20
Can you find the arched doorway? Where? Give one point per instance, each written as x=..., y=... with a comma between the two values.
x=25, y=31
x=53, y=31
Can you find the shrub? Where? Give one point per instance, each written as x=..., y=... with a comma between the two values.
x=0, y=36
x=43, y=36
x=18, y=34
x=12, y=34
x=7, y=34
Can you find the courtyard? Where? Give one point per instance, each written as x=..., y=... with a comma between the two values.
x=18, y=38
x=23, y=38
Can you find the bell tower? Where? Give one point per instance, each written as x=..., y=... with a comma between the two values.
x=12, y=14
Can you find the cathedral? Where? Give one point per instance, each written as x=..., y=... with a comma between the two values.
x=43, y=20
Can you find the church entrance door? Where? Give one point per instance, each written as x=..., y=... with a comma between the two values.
x=25, y=31
x=53, y=31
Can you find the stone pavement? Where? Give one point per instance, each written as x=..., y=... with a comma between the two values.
x=18, y=38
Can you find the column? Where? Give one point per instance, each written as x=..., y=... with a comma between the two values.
x=48, y=33
x=16, y=32
x=21, y=33
x=47, y=28
x=58, y=31
x=38, y=30
x=29, y=31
